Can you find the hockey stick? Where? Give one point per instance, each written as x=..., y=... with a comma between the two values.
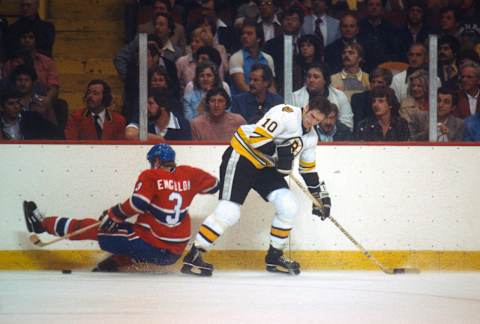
x=36, y=240
x=350, y=237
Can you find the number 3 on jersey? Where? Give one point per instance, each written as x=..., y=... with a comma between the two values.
x=175, y=196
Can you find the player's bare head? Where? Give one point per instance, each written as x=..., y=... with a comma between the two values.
x=315, y=112
x=161, y=155
x=320, y=103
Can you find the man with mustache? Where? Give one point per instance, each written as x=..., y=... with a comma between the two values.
x=163, y=124
x=255, y=103
x=351, y=79
x=385, y=125
x=95, y=121
x=448, y=47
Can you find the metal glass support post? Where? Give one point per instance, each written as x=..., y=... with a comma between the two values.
x=432, y=88
x=143, y=86
x=287, y=69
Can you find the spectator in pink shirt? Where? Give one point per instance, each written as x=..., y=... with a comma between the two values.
x=216, y=123
x=45, y=67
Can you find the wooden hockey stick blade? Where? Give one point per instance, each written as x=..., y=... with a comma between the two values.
x=38, y=242
x=34, y=239
x=402, y=271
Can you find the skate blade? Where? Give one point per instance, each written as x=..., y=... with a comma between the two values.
x=278, y=269
x=191, y=269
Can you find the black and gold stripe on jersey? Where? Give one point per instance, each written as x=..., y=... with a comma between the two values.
x=245, y=146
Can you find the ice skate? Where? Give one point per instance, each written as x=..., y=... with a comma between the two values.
x=33, y=217
x=194, y=264
x=113, y=263
x=276, y=262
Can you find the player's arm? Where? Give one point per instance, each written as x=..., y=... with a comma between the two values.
x=307, y=169
x=204, y=181
x=136, y=204
x=266, y=130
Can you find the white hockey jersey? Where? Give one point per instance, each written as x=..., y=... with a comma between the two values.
x=279, y=124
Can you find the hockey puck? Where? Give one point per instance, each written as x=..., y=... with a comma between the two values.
x=66, y=271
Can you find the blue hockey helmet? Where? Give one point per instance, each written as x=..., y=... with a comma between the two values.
x=163, y=152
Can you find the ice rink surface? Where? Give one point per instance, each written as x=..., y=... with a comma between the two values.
x=239, y=297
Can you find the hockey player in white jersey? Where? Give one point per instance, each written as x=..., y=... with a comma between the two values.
x=259, y=157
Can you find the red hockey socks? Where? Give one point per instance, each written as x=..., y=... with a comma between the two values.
x=61, y=226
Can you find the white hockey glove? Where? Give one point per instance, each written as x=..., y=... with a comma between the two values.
x=324, y=197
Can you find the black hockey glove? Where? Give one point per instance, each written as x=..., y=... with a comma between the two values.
x=285, y=157
x=324, y=197
x=107, y=224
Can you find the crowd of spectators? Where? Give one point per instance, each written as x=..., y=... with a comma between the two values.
x=215, y=64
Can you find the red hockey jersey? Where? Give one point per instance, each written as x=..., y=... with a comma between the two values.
x=161, y=200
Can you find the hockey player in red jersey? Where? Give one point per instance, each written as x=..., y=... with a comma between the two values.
x=161, y=199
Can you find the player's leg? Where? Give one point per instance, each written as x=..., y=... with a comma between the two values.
x=128, y=248
x=58, y=226
x=236, y=179
x=272, y=186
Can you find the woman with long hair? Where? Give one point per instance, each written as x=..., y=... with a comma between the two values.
x=310, y=50
x=206, y=78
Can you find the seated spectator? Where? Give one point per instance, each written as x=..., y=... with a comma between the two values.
x=417, y=95
x=469, y=24
x=268, y=19
x=351, y=79
x=310, y=51
x=468, y=96
x=253, y=104
x=33, y=98
x=417, y=59
x=216, y=123
x=131, y=77
x=45, y=67
x=448, y=47
x=127, y=58
x=472, y=128
x=95, y=121
x=449, y=22
x=362, y=102
x=18, y=124
x=208, y=39
x=163, y=124
x=245, y=9
x=158, y=79
x=178, y=38
x=164, y=29
x=318, y=83
x=29, y=18
x=206, y=78
x=415, y=30
x=377, y=36
x=291, y=25
x=186, y=64
x=242, y=60
x=209, y=12
x=331, y=129
x=349, y=33
x=384, y=125
x=449, y=128
x=320, y=24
